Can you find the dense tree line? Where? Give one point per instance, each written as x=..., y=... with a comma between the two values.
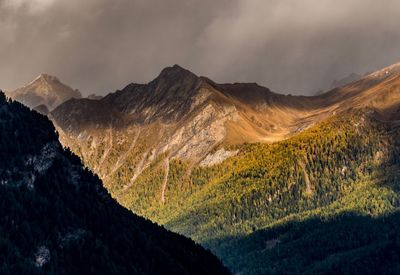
x=348, y=244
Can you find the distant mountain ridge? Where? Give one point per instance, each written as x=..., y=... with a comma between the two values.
x=45, y=90
x=337, y=83
x=345, y=80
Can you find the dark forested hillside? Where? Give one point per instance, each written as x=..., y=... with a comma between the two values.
x=56, y=218
x=349, y=243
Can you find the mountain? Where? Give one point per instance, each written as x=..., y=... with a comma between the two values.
x=246, y=171
x=45, y=90
x=182, y=116
x=353, y=77
x=186, y=116
x=94, y=97
x=42, y=109
x=56, y=217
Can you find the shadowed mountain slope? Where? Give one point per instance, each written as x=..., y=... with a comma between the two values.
x=57, y=218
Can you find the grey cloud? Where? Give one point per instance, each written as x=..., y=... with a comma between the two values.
x=290, y=46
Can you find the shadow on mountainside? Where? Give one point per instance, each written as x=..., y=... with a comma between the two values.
x=346, y=244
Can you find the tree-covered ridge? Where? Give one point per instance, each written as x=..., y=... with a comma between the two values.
x=338, y=166
x=56, y=218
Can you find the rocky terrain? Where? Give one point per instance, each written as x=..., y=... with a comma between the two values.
x=182, y=116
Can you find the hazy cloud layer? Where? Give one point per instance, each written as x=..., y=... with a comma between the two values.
x=291, y=46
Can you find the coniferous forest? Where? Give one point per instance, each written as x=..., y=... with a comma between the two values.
x=56, y=217
x=326, y=200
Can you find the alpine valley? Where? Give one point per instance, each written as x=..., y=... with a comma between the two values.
x=270, y=183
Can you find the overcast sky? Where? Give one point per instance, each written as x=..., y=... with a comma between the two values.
x=290, y=46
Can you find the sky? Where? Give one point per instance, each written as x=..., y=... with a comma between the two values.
x=290, y=46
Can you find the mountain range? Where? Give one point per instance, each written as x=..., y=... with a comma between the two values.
x=352, y=77
x=270, y=183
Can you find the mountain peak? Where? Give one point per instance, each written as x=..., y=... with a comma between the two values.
x=176, y=71
x=44, y=89
x=46, y=77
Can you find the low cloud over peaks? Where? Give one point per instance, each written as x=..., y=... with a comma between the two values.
x=290, y=46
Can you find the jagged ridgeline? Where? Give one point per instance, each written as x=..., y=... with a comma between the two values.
x=56, y=218
x=251, y=174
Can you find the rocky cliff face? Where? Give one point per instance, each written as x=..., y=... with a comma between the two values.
x=45, y=90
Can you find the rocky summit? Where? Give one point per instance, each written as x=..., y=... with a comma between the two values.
x=44, y=91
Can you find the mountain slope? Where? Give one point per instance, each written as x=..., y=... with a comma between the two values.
x=44, y=90
x=57, y=218
x=353, y=77
x=223, y=161
x=181, y=116
x=178, y=115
